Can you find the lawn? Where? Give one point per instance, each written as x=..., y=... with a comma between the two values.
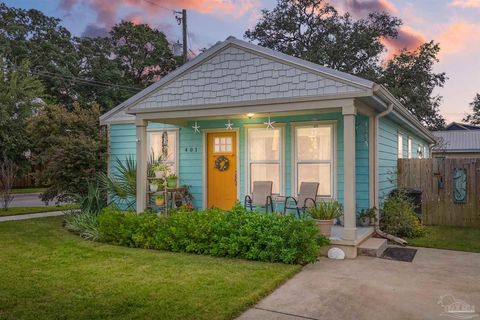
x=49, y=273
x=452, y=238
x=25, y=210
x=28, y=190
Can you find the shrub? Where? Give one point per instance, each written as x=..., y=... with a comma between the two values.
x=398, y=217
x=237, y=233
x=326, y=210
x=93, y=201
x=83, y=223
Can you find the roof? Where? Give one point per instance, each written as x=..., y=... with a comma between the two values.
x=461, y=126
x=457, y=141
x=179, y=90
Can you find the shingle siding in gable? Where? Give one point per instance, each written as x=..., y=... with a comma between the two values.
x=236, y=75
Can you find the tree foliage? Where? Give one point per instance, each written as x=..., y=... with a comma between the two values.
x=80, y=70
x=18, y=98
x=410, y=77
x=314, y=30
x=474, y=117
x=69, y=149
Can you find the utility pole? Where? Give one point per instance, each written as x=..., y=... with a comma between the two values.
x=184, y=29
x=183, y=20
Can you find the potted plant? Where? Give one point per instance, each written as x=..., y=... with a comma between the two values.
x=160, y=170
x=325, y=214
x=368, y=217
x=160, y=200
x=172, y=180
x=153, y=186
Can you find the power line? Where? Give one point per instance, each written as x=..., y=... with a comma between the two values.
x=158, y=5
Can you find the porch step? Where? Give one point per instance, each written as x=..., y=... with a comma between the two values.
x=373, y=247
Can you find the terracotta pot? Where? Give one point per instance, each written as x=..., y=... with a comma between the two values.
x=325, y=227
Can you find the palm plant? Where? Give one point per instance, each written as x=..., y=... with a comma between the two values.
x=121, y=184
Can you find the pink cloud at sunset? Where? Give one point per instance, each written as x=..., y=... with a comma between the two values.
x=407, y=38
x=466, y=3
x=457, y=37
x=107, y=11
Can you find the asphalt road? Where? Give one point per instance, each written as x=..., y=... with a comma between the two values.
x=29, y=200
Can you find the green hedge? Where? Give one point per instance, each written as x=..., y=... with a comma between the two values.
x=236, y=233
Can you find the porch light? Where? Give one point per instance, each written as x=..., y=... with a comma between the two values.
x=250, y=115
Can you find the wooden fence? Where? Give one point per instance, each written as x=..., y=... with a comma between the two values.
x=441, y=192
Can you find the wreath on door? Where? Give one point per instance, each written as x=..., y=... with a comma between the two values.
x=222, y=163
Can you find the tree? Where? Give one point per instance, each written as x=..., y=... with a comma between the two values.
x=19, y=93
x=313, y=30
x=410, y=77
x=474, y=117
x=144, y=53
x=69, y=149
x=8, y=173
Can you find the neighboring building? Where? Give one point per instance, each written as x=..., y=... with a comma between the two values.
x=340, y=130
x=459, y=140
x=461, y=126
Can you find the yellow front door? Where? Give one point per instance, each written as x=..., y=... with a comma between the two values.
x=221, y=169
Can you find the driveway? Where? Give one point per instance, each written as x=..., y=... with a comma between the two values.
x=29, y=200
x=374, y=288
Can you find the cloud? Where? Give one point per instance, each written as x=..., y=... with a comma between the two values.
x=93, y=31
x=107, y=10
x=458, y=38
x=466, y=3
x=363, y=7
x=407, y=38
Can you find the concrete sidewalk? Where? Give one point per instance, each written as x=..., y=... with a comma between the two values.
x=31, y=216
x=374, y=288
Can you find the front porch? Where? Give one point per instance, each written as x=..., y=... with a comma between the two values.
x=343, y=169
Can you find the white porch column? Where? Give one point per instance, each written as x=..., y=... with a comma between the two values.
x=141, y=165
x=350, y=225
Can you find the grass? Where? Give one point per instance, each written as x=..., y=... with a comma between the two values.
x=25, y=210
x=451, y=238
x=28, y=190
x=48, y=273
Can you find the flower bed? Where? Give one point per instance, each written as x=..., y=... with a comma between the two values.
x=236, y=233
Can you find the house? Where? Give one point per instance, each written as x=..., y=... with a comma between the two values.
x=274, y=117
x=458, y=140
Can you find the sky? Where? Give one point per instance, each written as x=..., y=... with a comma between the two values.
x=455, y=24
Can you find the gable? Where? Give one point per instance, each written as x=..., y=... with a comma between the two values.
x=236, y=74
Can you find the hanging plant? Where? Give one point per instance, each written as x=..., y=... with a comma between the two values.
x=222, y=163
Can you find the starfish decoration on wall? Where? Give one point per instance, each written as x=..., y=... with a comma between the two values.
x=269, y=123
x=229, y=125
x=196, y=128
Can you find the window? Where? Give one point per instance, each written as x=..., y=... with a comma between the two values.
x=400, y=145
x=425, y=155
x=314, y=156
x=420, y=154
x=164, y=142
x=409, y=148
x=265, y=157
x=222, y=145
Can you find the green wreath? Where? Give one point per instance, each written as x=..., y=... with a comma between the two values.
x=222, y=163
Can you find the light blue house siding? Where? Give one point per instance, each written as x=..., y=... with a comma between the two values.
x=122, y=144
x=388, y=153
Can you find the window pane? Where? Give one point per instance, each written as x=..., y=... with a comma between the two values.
x=265, y=172
x=316, y=172
x=314, y=143
x=264, y=144
x=400, y=146
x=157, y=147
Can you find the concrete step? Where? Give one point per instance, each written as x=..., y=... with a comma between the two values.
x=373, y=247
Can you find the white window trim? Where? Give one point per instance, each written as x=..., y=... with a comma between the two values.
x=399, y=145
x=280, y=126
x=409, y=147
x=425, y=152
x=334, y=162
x=177, y=145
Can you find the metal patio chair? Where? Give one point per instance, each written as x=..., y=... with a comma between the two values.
x=261, y=196
x=306, y=198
